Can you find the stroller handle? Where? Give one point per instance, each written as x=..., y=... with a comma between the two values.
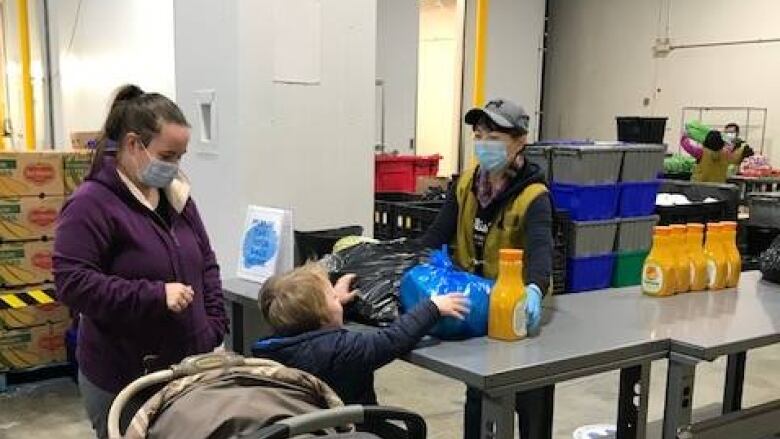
x=351, y=414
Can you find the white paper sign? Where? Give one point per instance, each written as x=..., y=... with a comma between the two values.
x=267, y=244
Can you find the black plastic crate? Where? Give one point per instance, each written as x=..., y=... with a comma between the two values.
x=412, y=220
x=758, y=239
x=313, y=245
x=693, y=213
x=641, y=129
x=386, y=213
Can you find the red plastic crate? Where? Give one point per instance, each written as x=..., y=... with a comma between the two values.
x=398, y=173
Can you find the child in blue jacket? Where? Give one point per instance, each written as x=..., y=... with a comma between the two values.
x=305, y=311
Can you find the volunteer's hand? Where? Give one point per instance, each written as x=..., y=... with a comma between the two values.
x=452, y=305
x=343, y=289
x=533, y=307
x=178, y=296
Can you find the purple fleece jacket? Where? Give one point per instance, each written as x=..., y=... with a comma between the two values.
x=112, y=258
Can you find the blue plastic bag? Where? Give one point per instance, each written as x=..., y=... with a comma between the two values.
x=440, y=276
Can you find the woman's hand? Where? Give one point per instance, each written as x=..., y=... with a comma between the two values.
x=452, y=305
x=343, y=289
x=178, y=296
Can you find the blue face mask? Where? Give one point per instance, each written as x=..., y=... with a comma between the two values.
x=492, y=154
x=158, y=173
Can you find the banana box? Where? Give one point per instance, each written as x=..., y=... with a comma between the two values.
x=31, y=174
x=29, y=218
x=31, y=307
x=75, y=168
x=25, y=263
x=29, y=347
x=84, y=139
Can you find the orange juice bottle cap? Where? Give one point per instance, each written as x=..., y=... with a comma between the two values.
x=510, y=255
x=729, y=225
x=677, y=229
x=714, y=227
x=662, y=230
x=695, y=227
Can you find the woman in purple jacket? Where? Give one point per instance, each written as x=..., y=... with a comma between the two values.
x=132, y=256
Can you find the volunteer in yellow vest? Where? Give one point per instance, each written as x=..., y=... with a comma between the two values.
x=502, y=202
x=713, y=160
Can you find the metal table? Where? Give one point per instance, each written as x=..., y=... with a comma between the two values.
x=582, y=335
x=710, y=325
x=586, y=334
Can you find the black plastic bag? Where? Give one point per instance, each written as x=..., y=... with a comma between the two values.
x=769, y=262
x=379, y=269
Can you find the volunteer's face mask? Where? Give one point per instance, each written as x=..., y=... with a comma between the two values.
x=729, y=137
x=157, y=173
x=491, y=154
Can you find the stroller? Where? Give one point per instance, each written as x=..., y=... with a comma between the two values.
x=224, y=395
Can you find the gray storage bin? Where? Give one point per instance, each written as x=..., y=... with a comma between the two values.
x=587, y=164
x=539, y=154
x=764, y=209
x=589, y=238
x=642, y=162
x=635, y=234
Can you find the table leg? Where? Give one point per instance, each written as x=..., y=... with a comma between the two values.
x=632, y=402
x=735, y=378
x=535, y=412
x=679, y=394
x=237, y=326
x=498, y=417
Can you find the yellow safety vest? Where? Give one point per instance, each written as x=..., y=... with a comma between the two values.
x=507, y=231
x=714, y=165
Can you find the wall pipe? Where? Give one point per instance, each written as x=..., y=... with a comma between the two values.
x=480, y=49
x=27, y=90
x=724, y=43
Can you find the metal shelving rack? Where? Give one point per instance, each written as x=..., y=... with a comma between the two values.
x=752, y=121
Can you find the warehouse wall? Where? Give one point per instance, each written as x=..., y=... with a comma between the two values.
x=110, y=43
x=396, y=63
x=308, y=148
x=602, y=64
x=515, y=32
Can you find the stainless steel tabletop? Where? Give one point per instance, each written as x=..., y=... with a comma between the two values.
x=240, y=287
x=588, y=331
x=584, y=333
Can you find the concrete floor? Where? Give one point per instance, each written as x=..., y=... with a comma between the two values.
x=52, y=408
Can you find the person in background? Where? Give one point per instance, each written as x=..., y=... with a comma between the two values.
x=132, y=257
x=306, y=314
x=714, y=158
x=501, y=202
x=731, y=137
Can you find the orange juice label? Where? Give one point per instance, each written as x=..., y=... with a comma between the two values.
x=518, y=320
x=652, y=278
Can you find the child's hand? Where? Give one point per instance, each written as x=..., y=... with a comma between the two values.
x=342, y=289
x=452, y=305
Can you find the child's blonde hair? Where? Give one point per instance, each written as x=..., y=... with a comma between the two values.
x=295, y=302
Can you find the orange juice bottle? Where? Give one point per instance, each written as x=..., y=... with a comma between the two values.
x=658, y=273
x=717, y=261
x=694, y=240
x=734, y=271
x=506, y=319
x=680, y=253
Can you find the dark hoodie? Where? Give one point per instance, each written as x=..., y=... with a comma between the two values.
x=346, y=360
x=538, y=222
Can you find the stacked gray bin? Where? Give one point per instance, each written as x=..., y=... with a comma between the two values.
x=598, y=163
x=541, y=155
x=642, y=162
x=592, y=238
x=635, y=234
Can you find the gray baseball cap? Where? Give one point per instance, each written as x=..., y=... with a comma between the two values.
x=503, y=113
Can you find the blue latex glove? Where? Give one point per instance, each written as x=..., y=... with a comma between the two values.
x=533, y=307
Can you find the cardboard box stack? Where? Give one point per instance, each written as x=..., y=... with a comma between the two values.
x=33, y=188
